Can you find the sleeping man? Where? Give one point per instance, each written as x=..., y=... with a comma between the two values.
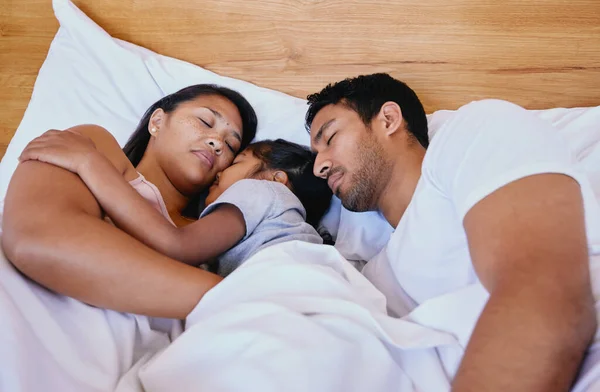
x=492, y=224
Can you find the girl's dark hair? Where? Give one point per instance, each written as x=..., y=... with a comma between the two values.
x=297, y=162
x=138, y=142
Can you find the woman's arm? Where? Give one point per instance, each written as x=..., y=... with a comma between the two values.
x=193, y=244
x=53, y=233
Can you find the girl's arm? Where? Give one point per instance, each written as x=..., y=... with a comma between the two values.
x=196, y=243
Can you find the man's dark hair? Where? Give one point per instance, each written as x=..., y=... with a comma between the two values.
x=366, y=94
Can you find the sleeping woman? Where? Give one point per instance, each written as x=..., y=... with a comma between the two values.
x=54, y=228
x=266, y=197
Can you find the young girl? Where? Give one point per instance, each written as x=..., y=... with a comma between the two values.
x=267, y=196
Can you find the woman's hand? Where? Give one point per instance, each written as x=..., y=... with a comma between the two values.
x=66, y=149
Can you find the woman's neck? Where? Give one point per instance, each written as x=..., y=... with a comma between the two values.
x=174, y=200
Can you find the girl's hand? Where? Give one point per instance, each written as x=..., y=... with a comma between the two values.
x=66, y=149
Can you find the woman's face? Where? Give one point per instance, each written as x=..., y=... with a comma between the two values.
x=244, y=166
x=197, y=140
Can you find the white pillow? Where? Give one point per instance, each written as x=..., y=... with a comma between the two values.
x=90, y=77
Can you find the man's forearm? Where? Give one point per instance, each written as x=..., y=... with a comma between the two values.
x=527, y=341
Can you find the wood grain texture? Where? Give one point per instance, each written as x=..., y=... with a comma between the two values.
x=537, y=53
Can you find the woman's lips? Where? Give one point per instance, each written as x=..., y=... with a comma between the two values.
x=206, y=157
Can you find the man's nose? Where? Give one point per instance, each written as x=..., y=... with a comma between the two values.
x=321, y=168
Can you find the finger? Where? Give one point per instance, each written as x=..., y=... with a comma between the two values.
x=29, y=154
x=28, y=148
x=42, y=154
x=45, y=135
x=37, y=139
x=37, y=148
x=52, y=132
x=42, y=139
x=58, y=137
x=37, y=143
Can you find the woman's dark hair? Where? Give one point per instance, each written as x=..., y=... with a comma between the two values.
x=366, y=94
x=297, y=162
x=138, y=142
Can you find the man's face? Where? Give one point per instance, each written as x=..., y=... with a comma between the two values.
x=349, y=156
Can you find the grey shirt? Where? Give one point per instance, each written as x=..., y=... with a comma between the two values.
x=273, y=214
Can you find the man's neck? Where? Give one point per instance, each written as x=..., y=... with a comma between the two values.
x=398, y=192
x=173, y=199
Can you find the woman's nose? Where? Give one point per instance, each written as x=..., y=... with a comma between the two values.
x=216, y=145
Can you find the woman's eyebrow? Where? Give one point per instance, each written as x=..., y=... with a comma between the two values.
x=235, y=135
x=217, y=114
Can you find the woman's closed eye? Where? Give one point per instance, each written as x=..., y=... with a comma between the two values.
x=205, y=122
x=230, y=147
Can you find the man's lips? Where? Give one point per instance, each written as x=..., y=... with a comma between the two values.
x=206, y=157
x=334, y=180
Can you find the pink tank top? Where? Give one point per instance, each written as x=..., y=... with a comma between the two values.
x=151, y=193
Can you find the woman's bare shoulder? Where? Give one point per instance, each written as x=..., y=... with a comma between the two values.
x=107, y=144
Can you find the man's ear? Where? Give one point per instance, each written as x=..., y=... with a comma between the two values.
x=281, y=177
x=391, y=118
x=156, y=121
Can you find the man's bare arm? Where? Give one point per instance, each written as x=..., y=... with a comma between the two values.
x=528, y=244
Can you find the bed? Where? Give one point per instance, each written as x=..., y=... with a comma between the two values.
x=56, y=343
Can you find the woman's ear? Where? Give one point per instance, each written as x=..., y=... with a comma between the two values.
x=156, y=120
x=281, y=177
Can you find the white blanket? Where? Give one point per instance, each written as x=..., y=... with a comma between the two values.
x=296, y=317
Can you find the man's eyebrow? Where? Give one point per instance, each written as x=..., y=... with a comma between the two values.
x=323, y=128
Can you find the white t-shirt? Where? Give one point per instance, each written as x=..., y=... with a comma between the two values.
x=482, y=147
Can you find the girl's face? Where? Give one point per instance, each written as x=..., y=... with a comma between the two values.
x=244, y=166
x=197, y=140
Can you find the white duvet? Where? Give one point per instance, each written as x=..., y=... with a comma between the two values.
x=294, y=317
x=298, y=317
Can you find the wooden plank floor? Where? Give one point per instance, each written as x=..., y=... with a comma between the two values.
x=538, y=53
